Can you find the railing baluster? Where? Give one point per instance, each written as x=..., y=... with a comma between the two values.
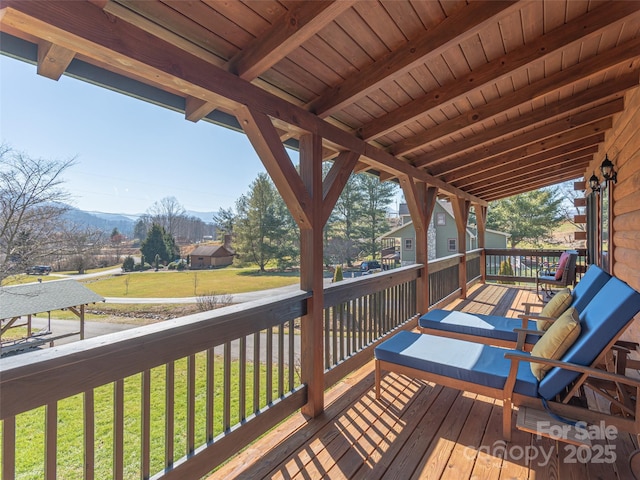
x=269, y=360
x=9, y=447
x=210, y=389
x=118, y=429
x=145, y=454
x=292, y=348
x=226, y=412
x=256, y=371
x=169, y=415
x=191, y=404
x=51, y=439
x=334, y=330
x=242, y=380
x=89, y=435
x=280, y=361
x=327, y=339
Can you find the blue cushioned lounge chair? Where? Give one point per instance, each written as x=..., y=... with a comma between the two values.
x=506, y=374
x=503, y=331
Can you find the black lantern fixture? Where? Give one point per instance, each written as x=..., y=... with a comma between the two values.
x=607, y=170
x=594, y=183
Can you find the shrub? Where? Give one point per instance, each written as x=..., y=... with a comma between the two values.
x=505, y=271
x=337, y=274
x=129, y=264
x=211, y=301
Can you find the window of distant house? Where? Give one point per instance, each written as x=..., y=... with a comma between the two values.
x=441, y=219
x=408, y=243
x=452, y=244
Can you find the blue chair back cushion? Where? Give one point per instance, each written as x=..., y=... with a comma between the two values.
x=588, y=286
x=467, y=361
x=602, y=319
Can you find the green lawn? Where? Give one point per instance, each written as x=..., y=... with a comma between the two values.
x=30, y=425
x=174, y=284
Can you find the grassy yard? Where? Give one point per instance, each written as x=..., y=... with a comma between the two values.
x=30, y=425
x=189, y=283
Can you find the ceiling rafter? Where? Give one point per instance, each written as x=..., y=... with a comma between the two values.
x=596, y=128
x=536, y=136
x=464, y=23
x=533, y=164
x=580, y=29
x=566, y=106
x=301, y=22
x=587, y=68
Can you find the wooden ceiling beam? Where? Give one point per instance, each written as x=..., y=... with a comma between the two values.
x=301, y=22
x=467, y=21
x=626, y=52
x=266, y=142
x=125, y=48
x=335, y=180
x=196, y=109
x=580, y=29
x=547, y=136
x=53, y=59
x=547, y=112
x=530, y=166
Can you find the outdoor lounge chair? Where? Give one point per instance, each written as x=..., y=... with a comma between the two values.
x=506, y=374
x=563, y=275
x=504, y=331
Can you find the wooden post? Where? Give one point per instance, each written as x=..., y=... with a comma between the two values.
x=310, y=201
x=461, y=209
x=311, y=277
x=481, y=219
x=421, y=201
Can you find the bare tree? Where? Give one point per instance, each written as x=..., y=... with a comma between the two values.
x=168, y=213
x=31, y=197
x=82, y=246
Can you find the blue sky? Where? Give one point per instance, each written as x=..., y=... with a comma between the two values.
x=129, y=153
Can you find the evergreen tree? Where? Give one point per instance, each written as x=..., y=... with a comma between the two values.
x=529, y=216
x=155, y=244
x=377, y=198
x=263, y=224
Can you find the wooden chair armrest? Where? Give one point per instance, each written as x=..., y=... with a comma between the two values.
x=529, y=304
x=526, y=331
x=535, y=316
x=593, y=372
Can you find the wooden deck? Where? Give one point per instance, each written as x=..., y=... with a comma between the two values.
x=422, y=430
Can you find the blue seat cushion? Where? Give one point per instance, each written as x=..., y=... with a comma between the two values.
x=467, y=361
x=490, y=326
x=601, y=321
x=592, y=281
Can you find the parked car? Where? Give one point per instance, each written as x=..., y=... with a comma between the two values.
x=39, y=270
x=369, y=265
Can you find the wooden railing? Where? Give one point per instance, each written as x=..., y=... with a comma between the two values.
x=443, y=278
x=175, y=399
x=525, y=263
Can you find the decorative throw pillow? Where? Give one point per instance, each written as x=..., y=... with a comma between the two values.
x=564, y=258
x=555, y=307
x=556, y=341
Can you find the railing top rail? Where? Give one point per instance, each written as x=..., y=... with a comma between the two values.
x=350, y=288
x=29, y=381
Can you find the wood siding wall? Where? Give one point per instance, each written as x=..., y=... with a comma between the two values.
x=622, y=145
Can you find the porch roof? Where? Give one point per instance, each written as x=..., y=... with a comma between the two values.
x=483, y=99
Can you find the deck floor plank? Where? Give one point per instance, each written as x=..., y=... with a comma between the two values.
x=418, y=430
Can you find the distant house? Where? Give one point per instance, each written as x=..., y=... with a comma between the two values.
x=442, y=236
x=211, y=256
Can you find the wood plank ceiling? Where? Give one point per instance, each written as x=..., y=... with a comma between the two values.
x=493, y=98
